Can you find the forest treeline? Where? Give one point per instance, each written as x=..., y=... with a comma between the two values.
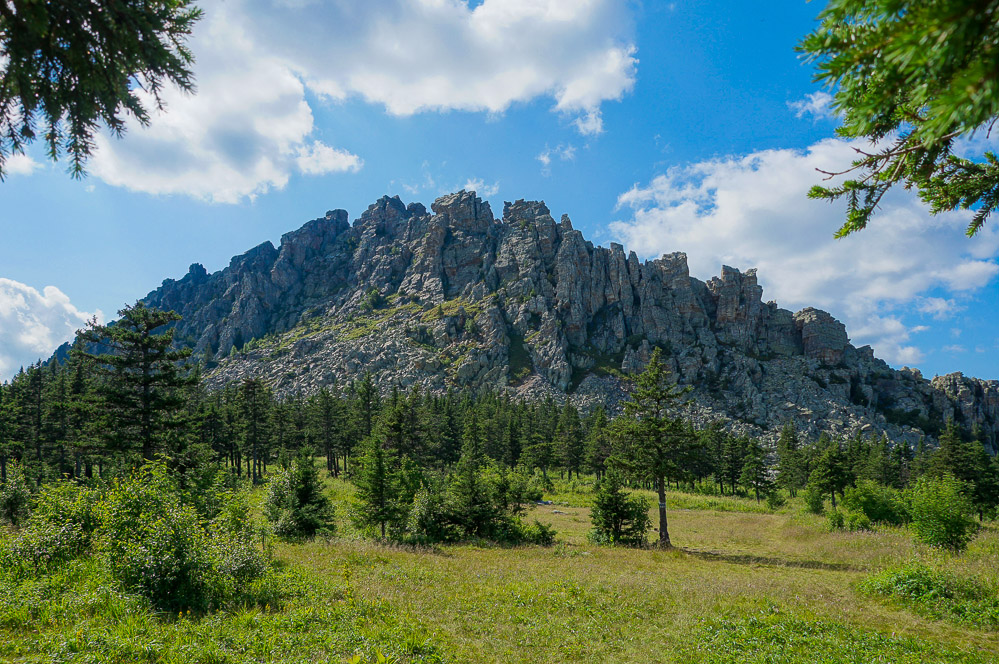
x=126, y=395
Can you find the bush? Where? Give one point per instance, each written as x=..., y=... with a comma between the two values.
x=858, y=521
x=815, y=500
x=153, y=543
x=430, y=520
x=537, y=533
x=59, y=528
x=836, y=520
x=40, y=547
x=941, y=514
x=15, y=497
x=618, y=517
x=775, y=501
x=937, y=594
x=295, y=502
x=880, y=504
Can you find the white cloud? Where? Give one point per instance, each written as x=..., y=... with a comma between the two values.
x=560, y=152
x=816, y=104
x=590, y=124
x=479, y=186
x=752, y=211
x=33, y=324
x=250, y=126
x=319, y=158
x=20, y=164
x=939, y=307
x=244, y=132
x=412, y=56
x=955, y=349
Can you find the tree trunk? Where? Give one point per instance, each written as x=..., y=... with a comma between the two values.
x=663, y=525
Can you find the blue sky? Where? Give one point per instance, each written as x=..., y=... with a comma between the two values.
x=687, y=126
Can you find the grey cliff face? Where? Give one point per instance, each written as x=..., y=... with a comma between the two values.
x=454, y=298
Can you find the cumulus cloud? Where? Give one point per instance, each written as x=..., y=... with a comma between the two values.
x=244, y=132
x=412, y=56
x=20, y=164
x=250, y=125
x=752, y=211
x=818, y=105
x=33, y=324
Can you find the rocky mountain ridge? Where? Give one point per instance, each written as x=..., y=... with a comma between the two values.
x=455, y=298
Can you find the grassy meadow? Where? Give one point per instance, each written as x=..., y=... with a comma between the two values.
x=743, y=584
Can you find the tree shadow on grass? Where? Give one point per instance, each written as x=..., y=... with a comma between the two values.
x=747, y=559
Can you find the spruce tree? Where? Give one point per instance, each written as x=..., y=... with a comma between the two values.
x=141, y=379
x=378, y=487
x=651, y=441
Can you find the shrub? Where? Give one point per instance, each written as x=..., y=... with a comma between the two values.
x=836, y=520
x=937, y=594
x=618, y=517
x=775, y=500
x=537, y=533
x=858, y=521
x=879, y=503
x=59, y=528
x=941, y=514
x=430, y=519
x=815, y=500
x=153, y=544
x=296, y=504
x=15, y=497
x=39, y=547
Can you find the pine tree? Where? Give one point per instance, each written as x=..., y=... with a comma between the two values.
x=378, y=487
x=754, y=473
x=651, y=441
x=569, y=437
x=141, y=381
x=789, y=471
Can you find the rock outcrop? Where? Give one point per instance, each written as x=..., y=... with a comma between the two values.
x=454, y=298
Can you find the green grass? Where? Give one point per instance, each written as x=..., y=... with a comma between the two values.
x=742, y=585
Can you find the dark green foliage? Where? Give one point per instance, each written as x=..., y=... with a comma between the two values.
x=914, y=76
x=755, y=475
x=142, y=382
x=941, y=512
x=831, y=472
x=154, y=543
x=879, y=503
x=15, y=497
x=815, y=500
x=790, y=467
x=617, y=517
x=296, y=505
x=379, y=489
x=937, y=594
x=73, y=65
x=651, y=442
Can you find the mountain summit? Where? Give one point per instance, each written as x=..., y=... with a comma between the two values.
x=455, y=298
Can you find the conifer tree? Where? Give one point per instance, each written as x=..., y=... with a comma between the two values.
x=141, y=380
x=569, y=437
x=651, y=440
x=789, y=471
x=378, y=487
x=754, y=473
